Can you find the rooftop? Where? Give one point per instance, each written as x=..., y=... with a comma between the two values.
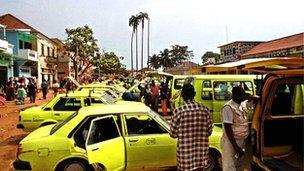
x=277, y=44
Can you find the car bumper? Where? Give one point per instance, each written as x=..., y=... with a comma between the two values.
x=22, y=165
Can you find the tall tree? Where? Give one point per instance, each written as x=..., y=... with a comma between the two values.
x=82, y=48
x=210, y=57
x=133, y=22
x=142, y=17
x=110, y=63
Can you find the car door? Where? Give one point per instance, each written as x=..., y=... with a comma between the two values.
x=148, y=143
x=105, y=145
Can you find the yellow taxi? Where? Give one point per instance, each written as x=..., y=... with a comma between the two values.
x=108, y=137
x=59, y=108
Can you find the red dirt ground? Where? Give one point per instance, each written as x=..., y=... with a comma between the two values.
x=10, y=135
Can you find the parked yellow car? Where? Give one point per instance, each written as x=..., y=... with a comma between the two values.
x=108, y=137
x=99, y=87
x=59, y=108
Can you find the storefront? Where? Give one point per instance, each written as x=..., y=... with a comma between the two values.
x=6, y=67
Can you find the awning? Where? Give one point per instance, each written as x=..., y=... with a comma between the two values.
x=276, y=65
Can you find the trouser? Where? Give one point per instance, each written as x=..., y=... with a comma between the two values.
x=155, y=103
x=44, y=92
x=32, y=98
x=229, y=159
x=164, y=106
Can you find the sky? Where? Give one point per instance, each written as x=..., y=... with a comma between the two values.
x=202, y=25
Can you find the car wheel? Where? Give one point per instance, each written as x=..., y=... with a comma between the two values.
x=214, y=163
x=74, y=165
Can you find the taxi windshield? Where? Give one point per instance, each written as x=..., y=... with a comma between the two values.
x=108, y=98
x=62, y=123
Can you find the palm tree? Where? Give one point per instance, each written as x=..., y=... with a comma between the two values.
x=133, y=22
x=142, y=16
x=154, y=61
x=165, y=59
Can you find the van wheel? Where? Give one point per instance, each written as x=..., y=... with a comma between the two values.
x=74, y=165
x=214, y=161
x=46, y=123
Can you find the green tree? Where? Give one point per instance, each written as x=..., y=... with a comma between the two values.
x=110, y=63
x=169, y=58
x=154, y=61
x=180, y=54
x=82, y=48
x=210, y=55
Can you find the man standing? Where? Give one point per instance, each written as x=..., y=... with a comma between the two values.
x=44, y=86
x=31, y=88
x=191, y=125
x=235, y=131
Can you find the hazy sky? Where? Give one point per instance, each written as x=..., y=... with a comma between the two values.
x=200, y=24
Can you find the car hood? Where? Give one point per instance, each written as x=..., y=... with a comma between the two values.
x=33, y=108
x=39, y=133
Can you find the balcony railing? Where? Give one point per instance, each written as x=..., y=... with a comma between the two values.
x=28, y=54
x=51, y=59
x=3, y=45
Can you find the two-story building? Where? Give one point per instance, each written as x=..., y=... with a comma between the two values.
x=36, y=53
x=6, y=57
x=64, y=64
x=232, y=51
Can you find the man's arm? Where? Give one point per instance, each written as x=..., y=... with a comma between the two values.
x=232, y=140
x=174, y=124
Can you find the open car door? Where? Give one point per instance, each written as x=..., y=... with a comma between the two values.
x=105, y=145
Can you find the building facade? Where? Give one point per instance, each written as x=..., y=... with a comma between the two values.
x=64, y=64
x=6, y=57
x=186, y=68
x=36, y=53
x=232, y=51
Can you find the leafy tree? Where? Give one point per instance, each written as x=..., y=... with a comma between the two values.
x=134, y=22
x=82, y=48
x=169, y=58
x=110, y=63
x=209, y=55
x=180, y=54
x=154, y=61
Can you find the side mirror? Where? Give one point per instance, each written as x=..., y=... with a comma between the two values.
x=47, y=109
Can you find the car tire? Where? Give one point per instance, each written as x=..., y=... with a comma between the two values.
x=74, y=164
x=214, y=161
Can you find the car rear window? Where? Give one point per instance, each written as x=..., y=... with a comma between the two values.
x=62, y=123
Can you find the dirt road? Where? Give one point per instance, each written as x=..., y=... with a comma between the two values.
x=10, y=136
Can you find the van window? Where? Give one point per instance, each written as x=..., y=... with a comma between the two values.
x=178, y=83
x=206, y=90
x=288, y=100
x=223, y=89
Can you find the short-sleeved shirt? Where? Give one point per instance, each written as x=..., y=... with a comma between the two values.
x=232, y=114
